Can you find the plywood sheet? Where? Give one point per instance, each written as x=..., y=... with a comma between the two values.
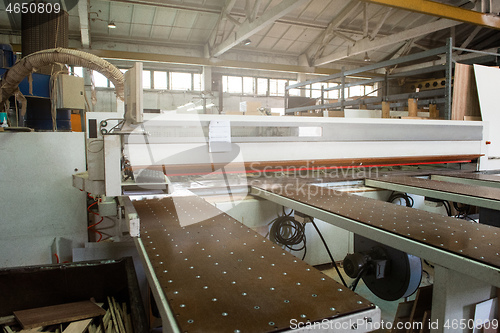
x=465, y=97
x=56, y=314
x=483, y=192
x=220, y=276
x=478, y=176
x=488, y=81
x=476, y=241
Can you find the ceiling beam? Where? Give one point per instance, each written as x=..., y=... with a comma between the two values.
x=331, y=31
x=470, y=38
x=201, y=61
x=366, y=44
x=462, y=57
x=235, y=14
x=255, y=10
x=223, y=16
x=83, y=13
x=247, y=29
x=444, y=11
x=380, y=24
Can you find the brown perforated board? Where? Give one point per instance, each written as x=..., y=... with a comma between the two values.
x=469, y=239
x=463, y=189
x=478, y=176
x=220, y=276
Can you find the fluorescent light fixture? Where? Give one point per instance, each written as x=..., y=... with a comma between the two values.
x=112, y=25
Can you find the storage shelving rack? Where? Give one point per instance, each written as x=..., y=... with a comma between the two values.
x=442, y=95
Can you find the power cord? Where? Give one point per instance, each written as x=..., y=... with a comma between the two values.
x=329, y=253
x=287, y=231
x=356, y=280
x=401, y=196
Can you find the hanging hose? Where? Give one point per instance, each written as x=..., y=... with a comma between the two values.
x=11, y=79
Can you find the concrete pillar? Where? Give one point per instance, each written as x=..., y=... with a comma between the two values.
x=206, y=82
x=88, y=88
x=302, y=77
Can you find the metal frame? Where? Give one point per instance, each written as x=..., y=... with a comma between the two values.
x=169, y=324
x=435, y=96
x=478, y=270
x=442, y=10
x=466, y=181
x=462, y=198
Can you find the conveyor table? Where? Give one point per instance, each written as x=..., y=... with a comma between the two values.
x=476, y=179
x=213, y=274
x=465, y=254
x=453, y=243
x=481, y=196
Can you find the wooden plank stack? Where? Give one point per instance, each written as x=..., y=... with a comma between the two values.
x=417, y=311
x=78, y=317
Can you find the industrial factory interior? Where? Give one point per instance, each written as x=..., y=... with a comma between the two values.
x=248, y=166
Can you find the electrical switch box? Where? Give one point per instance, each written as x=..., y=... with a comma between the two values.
x=70, y=92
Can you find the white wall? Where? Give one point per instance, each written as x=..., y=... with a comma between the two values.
x=39, y=203
x=170, y=100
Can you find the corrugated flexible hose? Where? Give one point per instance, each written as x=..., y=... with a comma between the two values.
x=30, y=63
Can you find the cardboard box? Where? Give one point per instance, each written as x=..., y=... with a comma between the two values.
x=250, y=106
x=337, y=114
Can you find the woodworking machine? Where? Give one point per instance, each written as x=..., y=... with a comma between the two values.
x=210, y=272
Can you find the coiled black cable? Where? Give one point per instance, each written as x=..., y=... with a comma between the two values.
x=398, y=195
x=287, y=231
x=463, y=210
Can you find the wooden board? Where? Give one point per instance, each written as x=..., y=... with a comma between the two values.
x=8, y=320
x=426, y=322
x=78, y=326
x=402, y=315
x=56, y=314
x=423, y=303
x=465, y=96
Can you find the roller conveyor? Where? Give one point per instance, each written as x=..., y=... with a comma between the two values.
x=219, y=276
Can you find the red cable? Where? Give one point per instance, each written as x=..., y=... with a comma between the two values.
x=93, y=225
